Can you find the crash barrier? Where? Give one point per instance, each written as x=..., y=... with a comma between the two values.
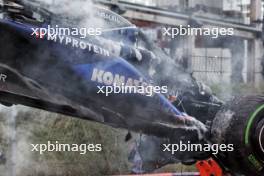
x=168, y=174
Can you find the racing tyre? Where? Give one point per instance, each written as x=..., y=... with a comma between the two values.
x=241, y=124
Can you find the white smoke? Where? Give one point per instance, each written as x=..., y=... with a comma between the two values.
x=81, y=13
x=16, y=137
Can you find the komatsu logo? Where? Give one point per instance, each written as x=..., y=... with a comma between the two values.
x=108, y=78
x=115, y=83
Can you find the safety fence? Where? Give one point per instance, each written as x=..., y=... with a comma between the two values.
x=211, y=69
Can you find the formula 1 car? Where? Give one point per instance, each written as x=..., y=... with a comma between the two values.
x=69, y=74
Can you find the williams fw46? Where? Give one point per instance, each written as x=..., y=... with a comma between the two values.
x=61, y=73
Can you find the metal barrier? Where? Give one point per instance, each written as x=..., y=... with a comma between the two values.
x=212, y=69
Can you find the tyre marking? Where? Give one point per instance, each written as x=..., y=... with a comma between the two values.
x=255, y=162
x=250, y=122
x=260, y=142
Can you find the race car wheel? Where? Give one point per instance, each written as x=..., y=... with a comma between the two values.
x=241, y=123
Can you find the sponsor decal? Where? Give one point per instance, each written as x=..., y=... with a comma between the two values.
x=3, y=77
x=254, y=161
x=108, y=78
x=116, y=84
x=66, y=40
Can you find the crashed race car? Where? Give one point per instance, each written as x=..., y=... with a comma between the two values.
x=62, y=73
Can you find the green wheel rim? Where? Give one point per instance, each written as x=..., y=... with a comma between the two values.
x=250, y=122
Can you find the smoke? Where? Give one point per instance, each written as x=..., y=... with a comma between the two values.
x=166, y=70
x=82, y=10
x=79, y=13
x=220, y=126
x=15, y=140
